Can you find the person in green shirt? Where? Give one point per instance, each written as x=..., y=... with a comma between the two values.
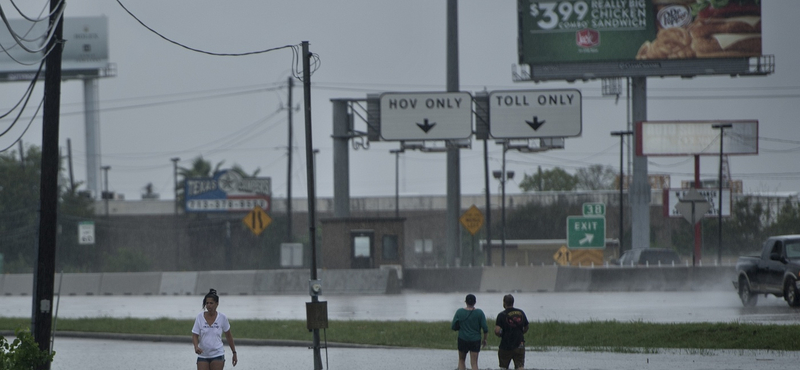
x=469, y=322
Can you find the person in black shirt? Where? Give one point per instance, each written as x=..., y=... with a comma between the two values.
x=511, y=325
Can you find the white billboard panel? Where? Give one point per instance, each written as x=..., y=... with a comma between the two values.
x=666, y=138
x=672, y=197
x=85, y=48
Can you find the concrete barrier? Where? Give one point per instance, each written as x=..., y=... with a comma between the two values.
x=572, y=279
x=386, y=281
x=360, y=281
x=226, y=282
x=79, y=284
x=130, y=283
x=178, y=283
x=463, y=279
x=283, y=282
x=18, y=284
x=519, y=279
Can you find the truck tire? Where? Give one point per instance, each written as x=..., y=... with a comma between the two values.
x=790, y=293
x=749, y=299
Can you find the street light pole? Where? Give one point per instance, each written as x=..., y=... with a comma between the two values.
x=621, y=135
x=503, y=175
x=721, y=127
x=175, y=180
x=106, y=195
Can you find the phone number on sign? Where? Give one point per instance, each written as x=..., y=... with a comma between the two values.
x=226, y=204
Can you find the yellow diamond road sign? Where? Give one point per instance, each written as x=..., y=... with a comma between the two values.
x=563, y=256
x=257, y=220
x=472, y=219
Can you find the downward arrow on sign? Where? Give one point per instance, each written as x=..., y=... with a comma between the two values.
x=426, y=126
x=535, y=124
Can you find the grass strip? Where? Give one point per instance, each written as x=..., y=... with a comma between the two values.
x=611, y=336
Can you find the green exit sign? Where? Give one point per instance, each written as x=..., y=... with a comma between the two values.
x=594, y=209
x=586, y=232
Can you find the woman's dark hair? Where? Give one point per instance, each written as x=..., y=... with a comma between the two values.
x=212, y=293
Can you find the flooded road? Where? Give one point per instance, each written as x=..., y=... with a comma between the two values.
x=659, y=307
x=87, y=354
x=662, y=307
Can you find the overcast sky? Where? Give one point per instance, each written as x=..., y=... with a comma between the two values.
x=166, y=101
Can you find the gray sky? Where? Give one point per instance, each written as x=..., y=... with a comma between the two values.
x=169, y=102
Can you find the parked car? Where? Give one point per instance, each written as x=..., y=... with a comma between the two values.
x=649, y=256
x=774, y=272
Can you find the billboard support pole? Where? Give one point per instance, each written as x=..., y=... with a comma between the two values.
x=698, y=230
x=639, y=192
x=453, y=154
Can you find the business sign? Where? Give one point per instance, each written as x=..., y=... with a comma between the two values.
x=586, y=232
x=672, y=198
x=667, y=138
x=227, y=191
x=426, y=116
x=535, y=113
x=85, y=50
x=556, y=33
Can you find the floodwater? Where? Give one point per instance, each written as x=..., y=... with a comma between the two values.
x=87, y=354
x=722, y=306
x=659, y=307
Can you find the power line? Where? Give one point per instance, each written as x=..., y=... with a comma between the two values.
x=200, y=50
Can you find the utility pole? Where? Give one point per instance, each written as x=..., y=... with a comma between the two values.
x=289, y=168
x=44, y=274
x=312, y=197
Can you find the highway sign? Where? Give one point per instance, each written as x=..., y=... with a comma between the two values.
x=693, y=206
x=535, y=113
x=586, y=232
x=594, y=209
x=472, y=219
x=257, y=220
x=426, y=116
x=86, y=232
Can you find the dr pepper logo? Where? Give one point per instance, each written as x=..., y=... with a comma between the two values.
x=587, y=38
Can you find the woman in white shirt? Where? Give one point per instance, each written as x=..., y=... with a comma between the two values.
x=207, y=335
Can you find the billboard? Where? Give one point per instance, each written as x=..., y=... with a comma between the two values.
x=227, y=191
x=85, y=52
x=671, y=198
x=671, y=138
x=555, y=33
